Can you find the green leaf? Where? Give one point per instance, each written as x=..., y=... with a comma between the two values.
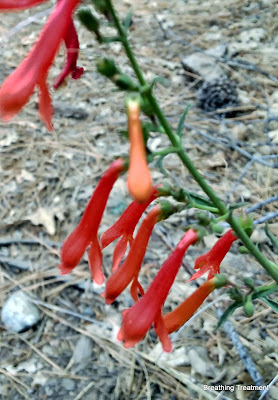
x=259, y=293
x=272, y=238
x=182, y=119
x=227, y=313
x=234, y=206
x=159, y=164
x=128, y=19
x=273, y=304
x=198, y=199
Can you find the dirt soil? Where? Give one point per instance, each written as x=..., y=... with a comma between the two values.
x=47, y=178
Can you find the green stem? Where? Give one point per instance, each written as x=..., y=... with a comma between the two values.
x=175, y=140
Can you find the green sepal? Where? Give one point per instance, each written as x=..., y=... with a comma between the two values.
x=101, y=6
x=216, y=228
x=146, y=106
x=168, y=209
x=236, y=295
x=124, y=82
x=249, y=282
x=243, y=250
x=88, y=20
x=220, y=280
x=246, y=221
x=107, y=67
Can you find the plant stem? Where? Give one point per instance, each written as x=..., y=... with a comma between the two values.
x=175, y=140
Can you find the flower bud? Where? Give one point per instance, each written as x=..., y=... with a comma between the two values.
x=248, y=307
x=107, y=67
x=124, y=82
x=89, y=20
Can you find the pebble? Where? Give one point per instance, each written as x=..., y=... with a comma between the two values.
x=19, y=313
x=68, y=384
x=83, y=351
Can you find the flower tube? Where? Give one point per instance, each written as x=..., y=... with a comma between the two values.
x=130, y=268
x=124, y=228
x=70, y=68
x=212, y=259
x=139, y=179
x=85, y=234
x=138, y=319
x=178, y=317
x=19, y=86
x=10, y=5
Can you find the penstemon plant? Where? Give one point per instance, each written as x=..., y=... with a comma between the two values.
x=147, y=310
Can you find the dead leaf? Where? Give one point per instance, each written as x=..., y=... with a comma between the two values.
x=46, y=217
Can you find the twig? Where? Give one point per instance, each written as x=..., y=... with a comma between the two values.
x=36, y=17
x=265, y=392
x=72, y=313
x=85, y=390
x=242, y=351
x=262, y=204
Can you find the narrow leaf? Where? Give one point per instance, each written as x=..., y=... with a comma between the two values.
x=128, y=20
x=272, y=238
x=273, y=304
x=182, y=119
x=227, y=313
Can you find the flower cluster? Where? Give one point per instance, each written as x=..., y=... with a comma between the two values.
x=147, y=310
x=32, y=72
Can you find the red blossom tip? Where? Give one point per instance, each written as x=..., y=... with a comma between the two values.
x=147, y=311
x=85, y=234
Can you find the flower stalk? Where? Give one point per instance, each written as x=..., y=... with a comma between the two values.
x=176, y=142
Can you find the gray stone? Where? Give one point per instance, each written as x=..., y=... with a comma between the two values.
x=19, y=313
x=205, y=64
x=83, y=351
x=68, y=384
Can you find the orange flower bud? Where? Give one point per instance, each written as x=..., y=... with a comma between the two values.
x=139, y=179
x=178, y=317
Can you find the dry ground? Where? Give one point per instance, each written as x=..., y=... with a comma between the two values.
x=46, y=180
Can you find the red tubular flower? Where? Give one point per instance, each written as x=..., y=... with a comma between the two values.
x=147, y=311
x=19, y=86
x=129, y=270
x=139, y=179
x=212, y=259
x=124, y=227
x=85, y=234
x=176, y=318
x=9, y=5
x=70, y=68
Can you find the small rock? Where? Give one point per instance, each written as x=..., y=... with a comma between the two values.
x=239, y=132
x=253, y=35
x=83, y=351
x=19, y=313
x=259, y=236
x=68, y=384
x=274, y=97
x=274, y=136
x=200, y=361
x=204, y=65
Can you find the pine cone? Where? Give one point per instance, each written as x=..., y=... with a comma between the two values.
x=216, y=94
